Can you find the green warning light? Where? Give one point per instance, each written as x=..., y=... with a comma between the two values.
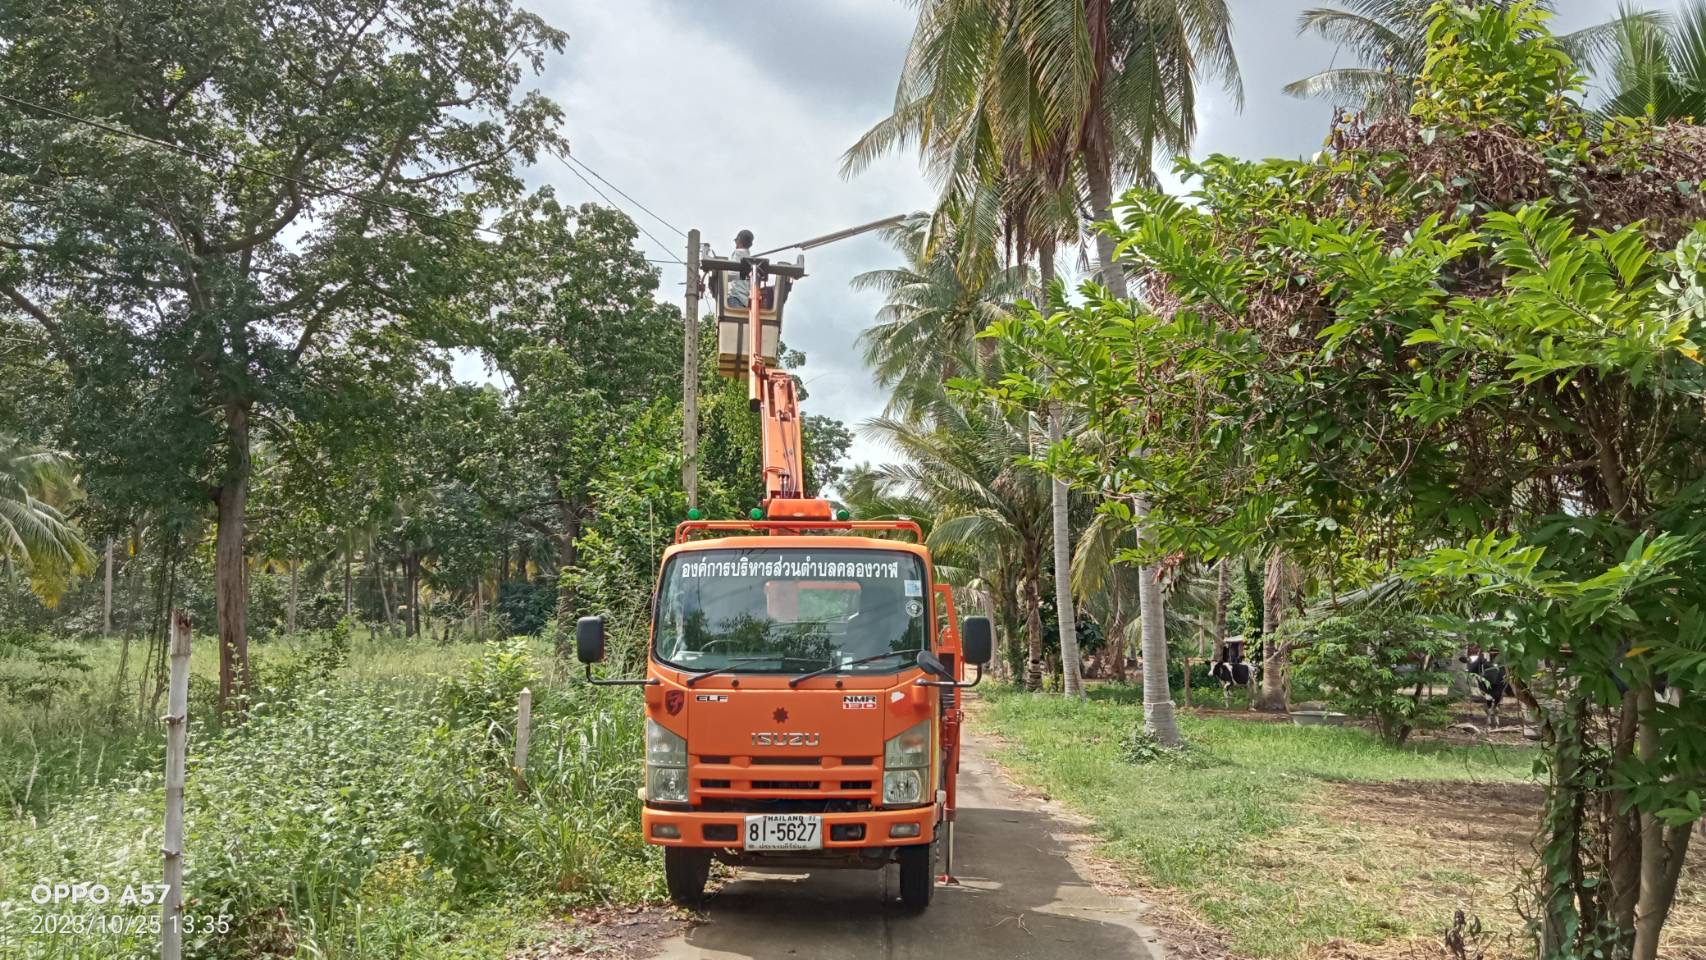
x=843, y=514
x=757, y=513
x=693, y=513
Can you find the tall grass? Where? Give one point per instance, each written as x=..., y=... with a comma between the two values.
x=364, y=809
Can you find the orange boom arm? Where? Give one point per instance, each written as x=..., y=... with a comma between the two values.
x=774, y=394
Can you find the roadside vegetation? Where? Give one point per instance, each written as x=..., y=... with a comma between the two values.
x=1279, y=841
x=366, y=808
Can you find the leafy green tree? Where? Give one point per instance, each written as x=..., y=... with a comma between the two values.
x=1396, y=352
x=1379, y=663
x=273, y=201
x=573, y=326
x=1390, y=38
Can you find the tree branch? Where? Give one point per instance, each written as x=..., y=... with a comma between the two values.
x=54, y=333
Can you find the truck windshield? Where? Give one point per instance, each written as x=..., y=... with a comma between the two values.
x=767, y=610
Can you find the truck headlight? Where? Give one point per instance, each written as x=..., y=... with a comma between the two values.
x=666, y=784
x=906, y=761
x=903, y=788
x=663, y=748
x=910, y=749
x=666, y=765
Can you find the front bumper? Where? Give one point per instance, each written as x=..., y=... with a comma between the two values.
x=729, y=829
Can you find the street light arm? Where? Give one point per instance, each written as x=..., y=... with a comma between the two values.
x=837, y=235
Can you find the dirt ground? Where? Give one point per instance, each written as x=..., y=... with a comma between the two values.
x=1454, y=846
x=610, y=933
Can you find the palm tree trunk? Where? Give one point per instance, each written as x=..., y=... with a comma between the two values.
x=1071, y=663
x=1222, y=598
x=1072, y=680
x=1116, y=642
x=1280, y=583
x=1006, y=599
x=1033, y=630
x=1158, y=720
x=1157, y=699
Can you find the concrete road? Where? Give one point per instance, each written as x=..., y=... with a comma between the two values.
x=1020, y=896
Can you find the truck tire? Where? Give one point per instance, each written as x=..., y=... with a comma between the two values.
x=917, y=875
x=685, y=871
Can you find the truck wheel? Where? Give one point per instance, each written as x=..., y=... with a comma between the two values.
x=685, y=871
x=917, y=875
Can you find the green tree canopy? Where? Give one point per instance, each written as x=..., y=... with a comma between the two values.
x=217, y=227
x=1405, y=353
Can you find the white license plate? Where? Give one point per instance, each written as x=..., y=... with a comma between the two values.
x=787, y=831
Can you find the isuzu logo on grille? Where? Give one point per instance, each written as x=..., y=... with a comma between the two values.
x=785, y=739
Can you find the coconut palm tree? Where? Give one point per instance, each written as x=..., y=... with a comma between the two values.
x=964, y=460
x=1389, y=39
x=1017, y=106
x=35, y=536
x=933, y=312
x=1660, y=67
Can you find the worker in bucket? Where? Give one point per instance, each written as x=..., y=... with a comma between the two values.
x=739, y=286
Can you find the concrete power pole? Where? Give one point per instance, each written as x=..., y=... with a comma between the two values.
x=690, y=377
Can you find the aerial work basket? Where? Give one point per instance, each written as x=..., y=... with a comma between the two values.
x=731, y=285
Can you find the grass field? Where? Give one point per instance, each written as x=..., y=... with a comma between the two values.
x=1288, y=841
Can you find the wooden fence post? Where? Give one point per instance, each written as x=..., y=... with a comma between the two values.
x=523, y=721
x=177, y=745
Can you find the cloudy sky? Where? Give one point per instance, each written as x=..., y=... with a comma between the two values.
x=722, y=115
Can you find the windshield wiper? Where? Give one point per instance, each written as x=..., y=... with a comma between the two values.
x=727, y=667
x=837, y=667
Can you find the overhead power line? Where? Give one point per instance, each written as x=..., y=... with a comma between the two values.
x=606, y=198
x=588, y=168
x=311, y=187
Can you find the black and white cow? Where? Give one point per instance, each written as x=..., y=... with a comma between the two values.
x=1492, y=681
x=1231, y=670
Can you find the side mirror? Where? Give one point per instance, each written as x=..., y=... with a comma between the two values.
x=589, y=639
x=977, y=640
x=933, y=664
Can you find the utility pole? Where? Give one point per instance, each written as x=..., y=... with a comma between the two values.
x=690, y=377
x=107, y=595
x=177, y=747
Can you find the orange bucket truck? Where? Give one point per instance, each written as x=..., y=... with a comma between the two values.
x=802, y=681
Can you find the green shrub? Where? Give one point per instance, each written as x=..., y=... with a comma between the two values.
x=525, y=606
x=1377, y=663
x=34, y=670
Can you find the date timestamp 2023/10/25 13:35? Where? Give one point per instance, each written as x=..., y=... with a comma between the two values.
x=83, y=909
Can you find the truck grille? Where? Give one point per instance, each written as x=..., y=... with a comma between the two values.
x=791, y=784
